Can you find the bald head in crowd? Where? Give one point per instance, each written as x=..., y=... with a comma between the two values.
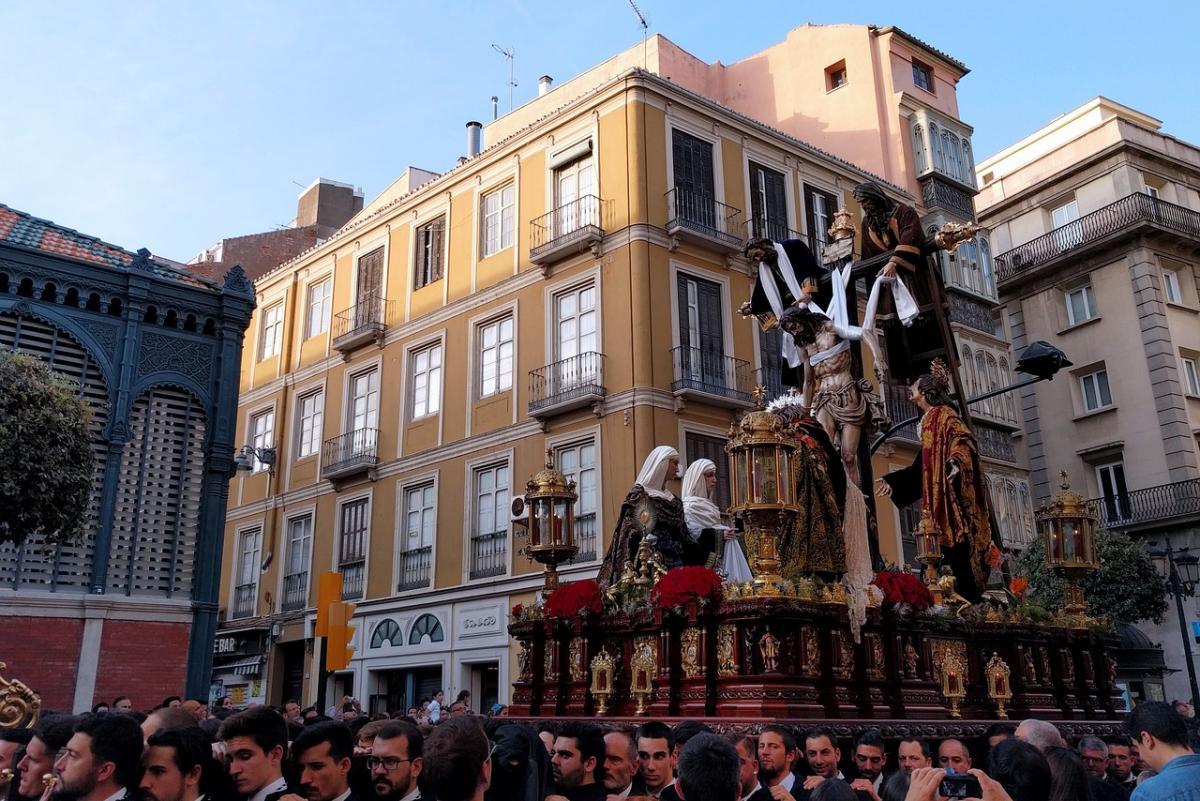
x=1040, y=734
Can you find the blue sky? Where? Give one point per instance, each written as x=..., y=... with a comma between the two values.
x=171, y=125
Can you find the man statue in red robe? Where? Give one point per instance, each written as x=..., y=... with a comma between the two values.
x=947, y=478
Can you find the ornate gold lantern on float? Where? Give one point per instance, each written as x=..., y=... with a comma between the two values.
x=1069, y=526
x=550, y=498
x=763, y=487
x=952, y=675
x=603, y=667
x=999, y=688
x=929, y=553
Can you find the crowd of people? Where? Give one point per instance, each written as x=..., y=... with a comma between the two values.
x=185, y=751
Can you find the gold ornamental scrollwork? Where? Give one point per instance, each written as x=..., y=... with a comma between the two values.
x=690, y=660
x=19, y=705
x=575, y=660
x=726, y=658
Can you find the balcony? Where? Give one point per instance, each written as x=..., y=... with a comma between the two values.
x=899, y=407
x=1126, y=215
x=569, y=229
x=350, y=454
x=489, y=554
x=938, y=192
x=711, y=377
x=295, y=592
x=361, y=323
x=995, y=443
x=702, y=220
x=567, y=384
x=1163, y=506
x=354, y=576
x=585, y=538
x=244, y=598
x=414, y=568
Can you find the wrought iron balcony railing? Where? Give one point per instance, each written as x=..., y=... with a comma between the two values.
x=899, y=407
x=354, y=576
x=567, y=229
x=350, y=453
x=244, y=598
x=720, y=378
x=489, y=554
x=1165, y=504
x=700, y=216
x=1125, y=214
x=585, y=538
x=567, y=384
x=359, y=324
x=295, y=592
x=415, y=567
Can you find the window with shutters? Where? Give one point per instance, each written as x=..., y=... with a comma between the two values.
x=695, y=184
x=489, y=535
x=416, y=545
x=352, y=547
x=771, y=362
x=819, y=207
x=1110, y=478
x=296, y=563
x=271, y=334
x=320, y=297
x=768, y=203
x=701, y=334
x=702, y=446
x=368, y=284
x=498, y=219
x=245, y=589
x=426, y=381
x=312, y=413
x=428, y=256
x=578, y=463
x=922, y=75
x=495, y=357
x=38, y=565
x=262, y=435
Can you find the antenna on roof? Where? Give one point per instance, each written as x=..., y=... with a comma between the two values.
x=512, y=81
x=645, y=29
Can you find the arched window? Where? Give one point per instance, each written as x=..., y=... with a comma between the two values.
x=981, y=377
x=996, y=404
x=919, y=148
x=935, y=146
x=968, y=370
x=962, y=257
x=387, y=631
x=1010, y=403
x=426, y=626
x=954, y=160
x=1014, y=505
x=1025, y=508
x=968, y=164
x=985, y=266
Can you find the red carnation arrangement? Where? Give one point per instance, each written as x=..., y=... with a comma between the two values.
x=686, y=585
x=900, y=587
x=574, y=599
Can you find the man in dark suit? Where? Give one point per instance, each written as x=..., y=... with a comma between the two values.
x=178, y=766
x=256, y=743
x=102, y=759
x=578, y=763
x=621, y=778
x=396, y=761
x=751, y=788
x=50, y=736
x=322, y=753
x=708, y=769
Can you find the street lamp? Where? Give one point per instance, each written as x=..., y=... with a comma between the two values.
x=1182, y=572
x=244, y=461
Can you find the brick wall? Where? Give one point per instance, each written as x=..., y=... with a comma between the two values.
x=146, y=661
x=43, y=653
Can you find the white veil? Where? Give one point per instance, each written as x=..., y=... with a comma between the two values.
x=653, y=476
x=698, y=509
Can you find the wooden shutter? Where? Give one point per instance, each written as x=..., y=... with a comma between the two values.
x=38, y=565
x=693, y=162
x=818, y=232
x=770, y=355
x=699, y=446
x=370, y=275
x=770, y=220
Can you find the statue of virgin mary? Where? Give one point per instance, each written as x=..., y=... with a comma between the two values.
x=708, y=532
x=665, y=517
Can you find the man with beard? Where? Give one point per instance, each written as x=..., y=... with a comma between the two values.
x=776, y=754
x=820, y=748
x=177, y=766
x=750, y=788
x=256, y=742
x=577, y=763
x=322, y=753
x=870, y=759
x=49, y=737
x=621, y=765
x=102, y=760
x=395, y=761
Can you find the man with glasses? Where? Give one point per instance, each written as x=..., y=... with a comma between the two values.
x=395, y=761
x=1094, y=753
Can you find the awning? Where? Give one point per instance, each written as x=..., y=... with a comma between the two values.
x=251, y=666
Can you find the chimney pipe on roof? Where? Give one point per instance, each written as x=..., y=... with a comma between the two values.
x=495, y=107
x=544, y=84
x=474, y=138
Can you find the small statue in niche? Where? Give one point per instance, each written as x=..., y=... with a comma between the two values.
x=768, y=647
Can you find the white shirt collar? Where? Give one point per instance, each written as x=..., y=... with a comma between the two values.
x=117, y=795
x=413, y=794
x=623, y=794
x=275, y=786
x=757, y=787
x=343, y=796
x=878, y=782
x=788, y=781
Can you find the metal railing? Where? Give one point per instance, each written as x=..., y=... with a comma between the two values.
x=414, y=568
x=354, y=576
x=295, y=592
x=899, y=407
x=244, y=597
x=1129, y=211
x=368, y=315
x=354, y=449
x=935, y=192
x=711, y=372
x=580, y=376
x=1152, y=505
x=761, y=227
x=569, y=222
x=704, y=215
x=585, y=538
x=489, y=554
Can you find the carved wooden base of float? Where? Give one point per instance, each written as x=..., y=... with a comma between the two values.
x=788, y=659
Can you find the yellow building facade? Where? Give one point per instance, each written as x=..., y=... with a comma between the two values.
x=573, y=288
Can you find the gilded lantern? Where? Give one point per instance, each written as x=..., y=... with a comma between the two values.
x=550, y=498
x=1069, y=525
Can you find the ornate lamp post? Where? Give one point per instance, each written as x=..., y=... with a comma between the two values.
x=929, y=553
x=1069, y=525
x=551, y=498
x=760, y=460
x=1181, y=568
